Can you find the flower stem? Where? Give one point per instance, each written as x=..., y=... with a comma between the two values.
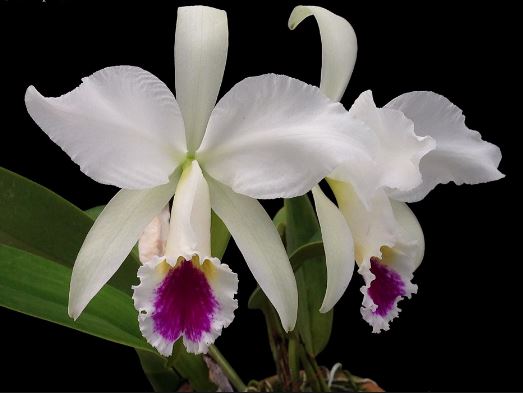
x=312, y=377
x=321, y=378
x=227, y=369
x=294, y=362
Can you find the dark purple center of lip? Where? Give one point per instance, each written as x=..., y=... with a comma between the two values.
x=386, y=287
x=184, y=304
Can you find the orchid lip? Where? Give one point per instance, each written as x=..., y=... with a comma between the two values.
x=184, y=303
x=386, y=288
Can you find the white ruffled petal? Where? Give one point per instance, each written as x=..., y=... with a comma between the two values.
x=338, y=50
x=122, y=125
x=400, y=149
x=268, y=137
x=460, y=155
x=200, y=53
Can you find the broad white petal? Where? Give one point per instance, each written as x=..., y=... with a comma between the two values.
x=190, y=231
x=154, y=236
x=122, y=125
x=261, y=246
x=400, y=149
x=185, y=299
x=273, y=136
x=338, y=50
x=388, y=279
x=460, y=156
x=372, y=227
x=111, y=238
x=339, y=248
x=200, y=53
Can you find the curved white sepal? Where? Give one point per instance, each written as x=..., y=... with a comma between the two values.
x=268, y=137
x=460, y=156
x=200, y=53
x=261, y=246
x=339, y=248
x=111, y=238
x=122, y=125
x=338, y=51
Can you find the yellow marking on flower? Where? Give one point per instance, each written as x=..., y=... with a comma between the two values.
x=208, y=269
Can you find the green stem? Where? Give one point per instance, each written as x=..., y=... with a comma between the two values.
x=312, y=377
x=227, y=369
x=294, y=362
x=321, y=378
x=278, y=343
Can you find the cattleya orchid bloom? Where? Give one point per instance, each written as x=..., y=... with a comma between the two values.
x=421, y=140
x=268, y=137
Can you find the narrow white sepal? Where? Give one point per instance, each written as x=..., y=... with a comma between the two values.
x=261, y=246
x=200, y=53
x=339, y=248
x=338, y=51
x=111, y=238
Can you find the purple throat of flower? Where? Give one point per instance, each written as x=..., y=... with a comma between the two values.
x=386, y=288
x=184, y=303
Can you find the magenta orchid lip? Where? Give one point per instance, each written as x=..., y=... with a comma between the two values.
x=184, y=303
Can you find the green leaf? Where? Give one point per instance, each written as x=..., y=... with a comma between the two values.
x=302, y=227
x=39, y=287
x=94, y=212
x=280, y=222
x=37, y=220
x=161, y=377
x=40, y=235
x=220, y=236
x=191, y=367
x=307, y=253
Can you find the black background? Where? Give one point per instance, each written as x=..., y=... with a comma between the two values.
x=462, y=330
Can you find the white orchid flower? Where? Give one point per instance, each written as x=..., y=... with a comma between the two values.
x=422, y=142
x=269, y=136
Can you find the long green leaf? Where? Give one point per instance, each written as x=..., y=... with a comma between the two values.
x=37, y=220
x=39, y=287
x=307, y=253
x=161, y=377
x=302, y=227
